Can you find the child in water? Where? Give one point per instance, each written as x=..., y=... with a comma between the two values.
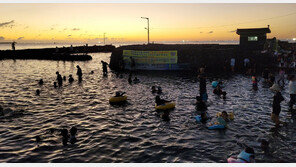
x=223, y=119
x=73, y=132
x=153, y=89
x=246, y=156
x=119, y=94
x=254, y=83
x=160, y=101
x=218, y=91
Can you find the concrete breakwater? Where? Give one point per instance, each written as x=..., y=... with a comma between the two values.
x=214, y=56
x=78, y=53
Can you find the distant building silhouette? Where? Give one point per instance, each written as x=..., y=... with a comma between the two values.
x=253, y=38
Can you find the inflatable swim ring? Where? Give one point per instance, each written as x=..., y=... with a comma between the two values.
x=230, y=115
x=166, y=106
x=213, y=127
x=117, y=99
x=214, y=84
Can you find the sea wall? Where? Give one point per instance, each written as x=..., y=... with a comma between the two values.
x=214, y=56
x=65, y=53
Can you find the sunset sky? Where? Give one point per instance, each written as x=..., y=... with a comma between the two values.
x=122, y=22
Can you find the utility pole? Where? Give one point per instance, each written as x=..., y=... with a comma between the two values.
x=147, y=28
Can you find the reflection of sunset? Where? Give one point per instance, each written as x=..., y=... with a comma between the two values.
x=122, y=22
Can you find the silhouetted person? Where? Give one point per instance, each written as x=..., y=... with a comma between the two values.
x=38, y=139
x=159, y=90
x=203, y=87
x=105, y=70
x=60, y=79
x=200, y=104
x=73, y=132
x=65, y=135
x=160, y=101
x=71, y=79
x=130, y=79
x=37, y=92
x=133, y=63
x=136, y=80
x=40, y=82
x=166, y=116
x=64, y=78
x=153, y=89
x=79, y=73
x=13, y=45
x=55, y=85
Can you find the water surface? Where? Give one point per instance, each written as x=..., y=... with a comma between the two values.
x=135, y=132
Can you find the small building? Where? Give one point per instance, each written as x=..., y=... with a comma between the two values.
x=253, y=38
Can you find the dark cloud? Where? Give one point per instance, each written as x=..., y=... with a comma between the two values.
x=69, y=35
x=200, y=32
x=4, y=24
x=75, y=29
x=210, y=32
x=2, y=38
x=232, y=31
x=20, y=38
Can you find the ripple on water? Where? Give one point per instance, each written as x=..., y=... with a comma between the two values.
x=133, y=132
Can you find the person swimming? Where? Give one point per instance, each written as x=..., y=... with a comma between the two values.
x=264, y=146
x=160, y=101
x=218, y=91
x=73, y=132
x=136, y=80
x=65, y=136
x=40, y=82
x=153, y=89
x=71, y=79
x=119, y=94
x=37, y=92
x=223, y=119
x=165, y=116
x=159, y=90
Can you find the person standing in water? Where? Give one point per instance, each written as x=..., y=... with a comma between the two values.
x=276, y=105
x=79, y=73
x=202, y=85
x=60, y=79
x=13, y=45
x=292, y=91
x=105, y=70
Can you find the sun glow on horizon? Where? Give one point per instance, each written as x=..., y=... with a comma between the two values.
x=122, y=22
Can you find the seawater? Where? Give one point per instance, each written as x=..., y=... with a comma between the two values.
x=134, y=132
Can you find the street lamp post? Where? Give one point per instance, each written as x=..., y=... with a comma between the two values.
x=147, y=28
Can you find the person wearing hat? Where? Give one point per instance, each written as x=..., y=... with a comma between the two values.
x=276, y=105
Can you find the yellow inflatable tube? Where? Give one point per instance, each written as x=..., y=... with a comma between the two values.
x=165, y=106
x=117, y=99
x=230, y=115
